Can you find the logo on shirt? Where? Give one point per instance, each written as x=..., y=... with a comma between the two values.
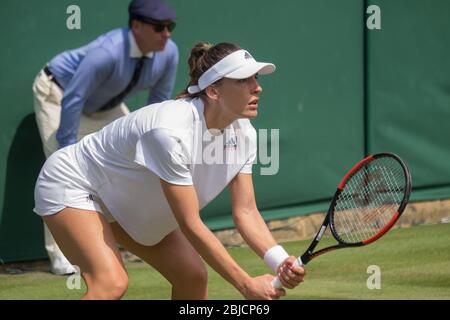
x=247, y=56
x=90, y=198
x=231, y=144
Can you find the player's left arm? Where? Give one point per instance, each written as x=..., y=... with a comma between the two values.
x=246, y=215
x=254, y=230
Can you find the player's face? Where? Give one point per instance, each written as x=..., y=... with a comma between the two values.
x=149, y=38
x=240, y=97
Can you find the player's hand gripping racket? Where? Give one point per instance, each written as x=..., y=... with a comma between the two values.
x=369, y=200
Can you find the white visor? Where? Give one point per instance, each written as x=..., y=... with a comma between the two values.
x=237, y=65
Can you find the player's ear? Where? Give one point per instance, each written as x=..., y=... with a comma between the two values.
x=212, y=92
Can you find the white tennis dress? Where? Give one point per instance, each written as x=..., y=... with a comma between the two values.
x=119, y=167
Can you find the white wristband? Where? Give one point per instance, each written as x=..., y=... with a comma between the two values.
x=275, y=256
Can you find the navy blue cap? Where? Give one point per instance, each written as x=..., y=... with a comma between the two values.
x=151, y=9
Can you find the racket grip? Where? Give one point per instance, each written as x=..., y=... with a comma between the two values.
x=276, y=283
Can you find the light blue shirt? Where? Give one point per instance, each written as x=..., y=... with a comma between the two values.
x=97, y=72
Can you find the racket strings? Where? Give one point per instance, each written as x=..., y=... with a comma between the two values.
x=371, y=215
x=369, y=200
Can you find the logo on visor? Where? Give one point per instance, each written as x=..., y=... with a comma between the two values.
x=248, y=56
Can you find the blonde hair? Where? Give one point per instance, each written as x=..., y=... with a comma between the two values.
x=203, y=56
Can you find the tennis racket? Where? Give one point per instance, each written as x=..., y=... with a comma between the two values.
x=367, y=203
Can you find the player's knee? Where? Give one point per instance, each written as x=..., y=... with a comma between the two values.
x=109, y=287
x=201, y=275
x=197, y=276
x=119, y=287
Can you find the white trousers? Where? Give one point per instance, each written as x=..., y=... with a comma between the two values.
x=47, y=108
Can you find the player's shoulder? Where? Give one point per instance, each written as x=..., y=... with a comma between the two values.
x=176, y=114
x=182, y=107
x=245, y=126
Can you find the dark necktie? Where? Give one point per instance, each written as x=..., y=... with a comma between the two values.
x=134, y=80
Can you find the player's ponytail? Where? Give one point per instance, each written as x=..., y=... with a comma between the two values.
x=203, y=56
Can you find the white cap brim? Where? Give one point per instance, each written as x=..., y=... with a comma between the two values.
x=250, y=69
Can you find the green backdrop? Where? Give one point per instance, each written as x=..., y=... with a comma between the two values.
x=340, y=91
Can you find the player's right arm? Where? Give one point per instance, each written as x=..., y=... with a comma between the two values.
x=184, y=204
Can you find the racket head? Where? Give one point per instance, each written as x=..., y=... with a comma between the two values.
x=370, y=199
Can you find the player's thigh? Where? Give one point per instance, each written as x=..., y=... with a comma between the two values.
x=86, y=239
x=170, y=256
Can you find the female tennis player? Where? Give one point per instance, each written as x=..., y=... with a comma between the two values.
x=142, y=180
